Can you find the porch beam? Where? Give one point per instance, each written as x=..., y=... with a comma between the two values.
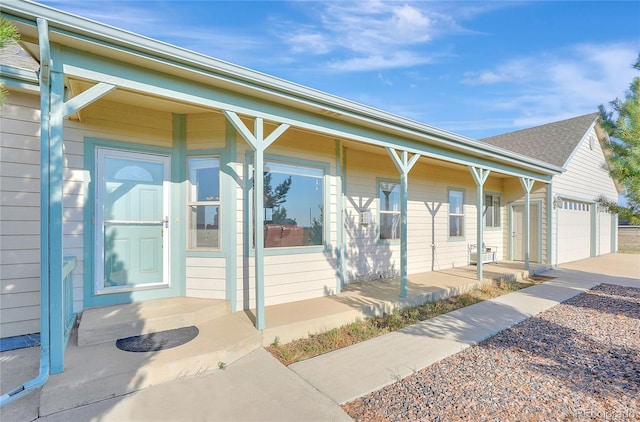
x=527, y=184
x=480, y=176
x=206, y=97
x=403, y=164
x=259, y=144
x=87, y=97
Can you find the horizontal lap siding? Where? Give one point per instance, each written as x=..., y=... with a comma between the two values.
x=107, y=121
x=587, y=178
x=206, y=277
x=514, y=192
x=300, y=274
x=19, y=215
x=427, y=218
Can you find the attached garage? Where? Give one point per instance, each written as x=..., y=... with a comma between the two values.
x=577, y=229
x=574, y=231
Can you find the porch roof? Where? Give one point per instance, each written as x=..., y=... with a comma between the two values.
x=103, y=40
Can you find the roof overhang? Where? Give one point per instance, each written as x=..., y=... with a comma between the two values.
x=106, y=41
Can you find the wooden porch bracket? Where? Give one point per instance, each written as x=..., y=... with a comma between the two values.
x=480, y=176
x=527, y=184
x=259, y=144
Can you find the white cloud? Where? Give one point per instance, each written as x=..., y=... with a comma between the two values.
x=371, y=35
x=309, y=42
x=552, y=86
x=377, y=62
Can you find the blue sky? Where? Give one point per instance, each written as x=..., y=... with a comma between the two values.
x=473, y=68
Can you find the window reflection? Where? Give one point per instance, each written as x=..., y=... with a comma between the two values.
x=293, y=205
x=204, y=203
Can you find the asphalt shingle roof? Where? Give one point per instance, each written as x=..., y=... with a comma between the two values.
x=552, y=143
x=13, y=55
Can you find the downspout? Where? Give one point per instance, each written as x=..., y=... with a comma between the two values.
x=45, y=95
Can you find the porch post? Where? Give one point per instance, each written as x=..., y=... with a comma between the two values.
x=259, y=144
x=56, y=164
x=340, y=188
x=527, y=184
x=403, y=165
x=479, y=176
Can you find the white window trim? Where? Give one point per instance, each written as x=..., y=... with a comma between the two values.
x=190, y=203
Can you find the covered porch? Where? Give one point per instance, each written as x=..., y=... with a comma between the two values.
x=226, y=337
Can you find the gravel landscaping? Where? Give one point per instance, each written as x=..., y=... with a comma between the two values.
x=579, y=360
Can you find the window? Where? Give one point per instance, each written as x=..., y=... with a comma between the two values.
x=389, y=195
x=293, y=205
x=456, y=213
x=203, y=203
x=492, y=211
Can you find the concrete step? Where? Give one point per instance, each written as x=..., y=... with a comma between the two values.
x=98, y=372
x=110, y=323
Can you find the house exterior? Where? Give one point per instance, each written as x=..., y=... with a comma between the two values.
x=579, y=227
x=132, y=162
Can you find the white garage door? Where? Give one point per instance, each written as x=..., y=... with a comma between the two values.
x=574, y=231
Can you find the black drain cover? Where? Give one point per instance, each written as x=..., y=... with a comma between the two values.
x=160, y=340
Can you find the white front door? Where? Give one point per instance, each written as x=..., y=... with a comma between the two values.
x=131, y=221
x=518, y=233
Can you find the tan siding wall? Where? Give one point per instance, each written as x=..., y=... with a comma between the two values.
x=19, y=215
x=515, y=193
x=20, y=197
x=206, y=276
x=288, y=277
x=107, y=121
x=427, y=216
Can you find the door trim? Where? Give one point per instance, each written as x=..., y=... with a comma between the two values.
x=102, y=154
x=532, y=204
x=177, y=271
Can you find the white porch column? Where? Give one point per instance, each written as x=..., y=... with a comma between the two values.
x=404, y=165
x=479, y=176
x=259, y=144
x=527, y=184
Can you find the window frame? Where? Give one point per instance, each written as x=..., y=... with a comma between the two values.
x=190, y=203
x=495, y=212
x=450, y=214
x=288, y=250
x=379, y=182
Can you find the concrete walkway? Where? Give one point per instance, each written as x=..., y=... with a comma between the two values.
x=349, y=373
x=258, y=387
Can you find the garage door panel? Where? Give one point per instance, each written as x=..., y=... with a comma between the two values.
x=574, y=232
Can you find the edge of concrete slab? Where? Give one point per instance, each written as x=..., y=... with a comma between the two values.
x=347, y=374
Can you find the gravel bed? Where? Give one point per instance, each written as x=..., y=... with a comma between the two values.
x=579, y=360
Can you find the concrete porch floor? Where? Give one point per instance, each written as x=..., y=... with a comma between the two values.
x=294, y=320
x=100, y=371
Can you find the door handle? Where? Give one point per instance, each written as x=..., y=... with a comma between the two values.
x=166, y=222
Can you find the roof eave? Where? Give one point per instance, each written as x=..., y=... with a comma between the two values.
x=135, y=43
